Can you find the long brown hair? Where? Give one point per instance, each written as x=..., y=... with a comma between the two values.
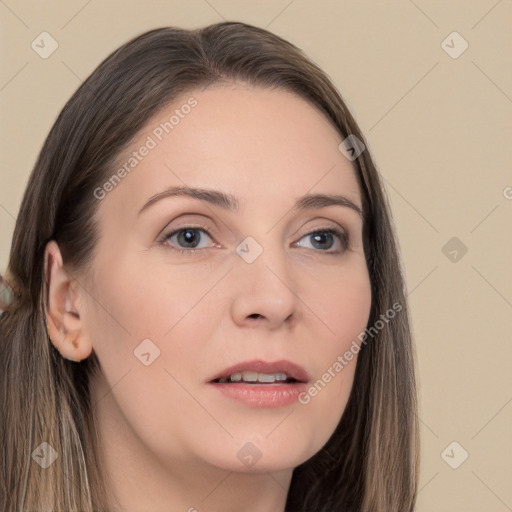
x=369, y=464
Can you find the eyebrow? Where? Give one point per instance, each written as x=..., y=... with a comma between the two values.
x=230, y=202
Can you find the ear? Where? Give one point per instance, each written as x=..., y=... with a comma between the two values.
x=65, y=327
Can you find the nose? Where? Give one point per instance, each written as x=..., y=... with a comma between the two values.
x=264, y=293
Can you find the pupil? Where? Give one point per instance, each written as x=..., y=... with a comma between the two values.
x=189, y=237
x=323, y=239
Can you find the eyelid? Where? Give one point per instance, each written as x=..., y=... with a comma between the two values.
x=184, y=221
x=324, y=224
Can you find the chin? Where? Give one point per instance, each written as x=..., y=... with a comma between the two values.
x=258, y=454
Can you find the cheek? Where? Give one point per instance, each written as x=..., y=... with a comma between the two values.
x=142, y=300
x=154, y=322
x=344, y=307
x=177, y=314
x=343, y=304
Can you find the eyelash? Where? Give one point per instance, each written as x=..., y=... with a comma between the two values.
x=341, y=235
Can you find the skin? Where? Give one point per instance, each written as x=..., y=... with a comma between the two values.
x=169, y=442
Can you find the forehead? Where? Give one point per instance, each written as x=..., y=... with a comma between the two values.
x=246, y=141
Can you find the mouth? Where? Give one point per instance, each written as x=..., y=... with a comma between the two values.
x=252, y=378
x=261, y=384
x=262, y=373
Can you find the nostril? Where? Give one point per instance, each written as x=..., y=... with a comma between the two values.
x=255, y=315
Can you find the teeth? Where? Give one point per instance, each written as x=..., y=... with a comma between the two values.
x=249, y=376
x=263, y=377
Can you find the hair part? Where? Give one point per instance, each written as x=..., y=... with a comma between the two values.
x=369, y=464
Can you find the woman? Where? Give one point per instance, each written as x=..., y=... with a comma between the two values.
x=208, y=309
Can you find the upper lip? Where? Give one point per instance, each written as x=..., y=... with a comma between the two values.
x=291, y=369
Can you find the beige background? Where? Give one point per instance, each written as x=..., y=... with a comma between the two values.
x=440, y=129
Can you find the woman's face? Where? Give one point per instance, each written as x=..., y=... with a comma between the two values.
x=264, y=285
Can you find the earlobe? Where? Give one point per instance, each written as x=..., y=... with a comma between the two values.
x=64, y=324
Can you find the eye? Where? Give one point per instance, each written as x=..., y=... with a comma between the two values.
x=187, y=239
x=326, y=240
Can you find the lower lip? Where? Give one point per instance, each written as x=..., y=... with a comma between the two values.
x=266, y=396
